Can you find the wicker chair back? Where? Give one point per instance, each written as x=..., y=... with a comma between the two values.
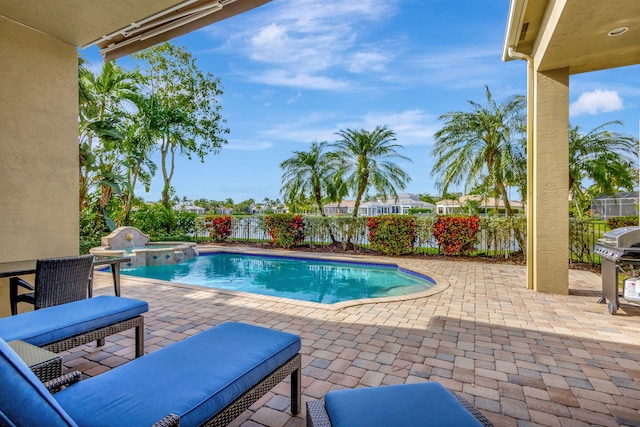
x=62, y=280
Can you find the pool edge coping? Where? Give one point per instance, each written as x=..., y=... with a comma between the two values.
x=441, y=283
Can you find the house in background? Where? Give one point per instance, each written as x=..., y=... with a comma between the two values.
x=391, y=205
x=482, y=205
x=620, y=204
x=191, y=208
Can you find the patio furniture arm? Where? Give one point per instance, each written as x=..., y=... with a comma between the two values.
x=17, y=281
x=171, y=420
x=63, y=381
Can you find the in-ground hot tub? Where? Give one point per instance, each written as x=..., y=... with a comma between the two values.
x=131, y=242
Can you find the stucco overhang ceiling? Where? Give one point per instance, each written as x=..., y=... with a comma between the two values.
x=574, y=33
x=120, y=27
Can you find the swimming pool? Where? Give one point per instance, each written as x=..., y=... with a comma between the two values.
x=305, y=279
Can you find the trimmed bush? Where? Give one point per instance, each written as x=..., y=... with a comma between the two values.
x=456, y=235
x=392, y=234
x=219, y=227
x=622, y=221
x=285, y=230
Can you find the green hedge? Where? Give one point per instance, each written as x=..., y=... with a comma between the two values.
x=392, y=234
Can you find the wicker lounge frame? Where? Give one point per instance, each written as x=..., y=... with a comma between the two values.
x=317, y=415
x=234, y=409
x=99, y=334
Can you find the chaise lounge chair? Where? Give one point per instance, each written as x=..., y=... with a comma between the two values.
x=421, y=405
x=69, y=325
x=207, y=379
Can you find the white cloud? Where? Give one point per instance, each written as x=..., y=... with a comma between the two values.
x=239, y=145
x=295, y=99
x=412, y=127
x=292, y=79
x=367, y=61
x=456, y=67
x=310, y=44
x=595, y=102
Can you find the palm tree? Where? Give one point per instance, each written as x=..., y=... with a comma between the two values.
x=365, y=160
x=603, y=157
x=101, y=99
x=482, y=146
x=309, y=173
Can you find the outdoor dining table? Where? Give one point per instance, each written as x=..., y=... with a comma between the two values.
x=22, y=268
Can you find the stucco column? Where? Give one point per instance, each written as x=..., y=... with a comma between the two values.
x=549, y=266
x=38, y=147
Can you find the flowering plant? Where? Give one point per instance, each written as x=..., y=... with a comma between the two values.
x=285, y=230
x=456, y=235
x=219, y=227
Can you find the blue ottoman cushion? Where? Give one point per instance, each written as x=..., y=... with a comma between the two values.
x=42, y=327
x=193, y=378
x=422, y=404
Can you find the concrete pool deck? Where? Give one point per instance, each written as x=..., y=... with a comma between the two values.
x=522, y=357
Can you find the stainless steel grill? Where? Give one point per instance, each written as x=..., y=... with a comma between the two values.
x=619, y=248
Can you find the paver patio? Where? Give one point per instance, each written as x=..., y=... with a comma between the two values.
x=522, y=357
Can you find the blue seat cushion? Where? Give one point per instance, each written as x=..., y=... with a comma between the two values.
x=51, y=324
x=422, y=404
x=23, y=399
x=194, y=378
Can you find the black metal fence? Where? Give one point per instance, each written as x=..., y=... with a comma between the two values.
x=499, y=237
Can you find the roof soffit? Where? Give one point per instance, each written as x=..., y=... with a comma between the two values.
x=573, y=33
x=85, y=22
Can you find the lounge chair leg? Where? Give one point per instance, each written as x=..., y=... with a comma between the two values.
x=100, y=342
x=140, y=340
x=296, y=379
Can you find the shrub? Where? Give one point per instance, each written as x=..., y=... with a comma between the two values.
x=219, y=227
x=392, y=234
x=456, y=235
x=185, y=222
x=415, y=211
x=153, y=219
x=285, y=230
x=622, y=221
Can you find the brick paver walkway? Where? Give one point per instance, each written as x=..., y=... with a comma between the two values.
x=522, y=357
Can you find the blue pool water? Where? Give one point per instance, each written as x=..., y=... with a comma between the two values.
x=302, y=279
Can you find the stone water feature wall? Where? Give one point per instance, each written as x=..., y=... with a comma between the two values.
x=131, y=242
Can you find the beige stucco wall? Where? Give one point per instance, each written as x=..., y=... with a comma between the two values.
x=550, y=269
x=38, y=147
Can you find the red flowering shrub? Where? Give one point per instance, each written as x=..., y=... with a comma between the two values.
x=219, y=227
x=285, y=230
x=456, y=235
x=392, y=234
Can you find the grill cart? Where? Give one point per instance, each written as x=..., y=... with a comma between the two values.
x=620, y=252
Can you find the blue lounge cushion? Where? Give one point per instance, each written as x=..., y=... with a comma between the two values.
x=194, y=378
x=421, y=404
x=45, y=326
x=24, y=401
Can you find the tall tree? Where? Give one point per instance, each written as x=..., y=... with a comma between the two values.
x=139, y=141
x=187, y=98
x=309, y=173
x=604, y=158
x=102, y=99
x=365, y=161
x=482, y=146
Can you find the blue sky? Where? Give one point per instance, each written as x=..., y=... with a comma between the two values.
x=298, y=71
